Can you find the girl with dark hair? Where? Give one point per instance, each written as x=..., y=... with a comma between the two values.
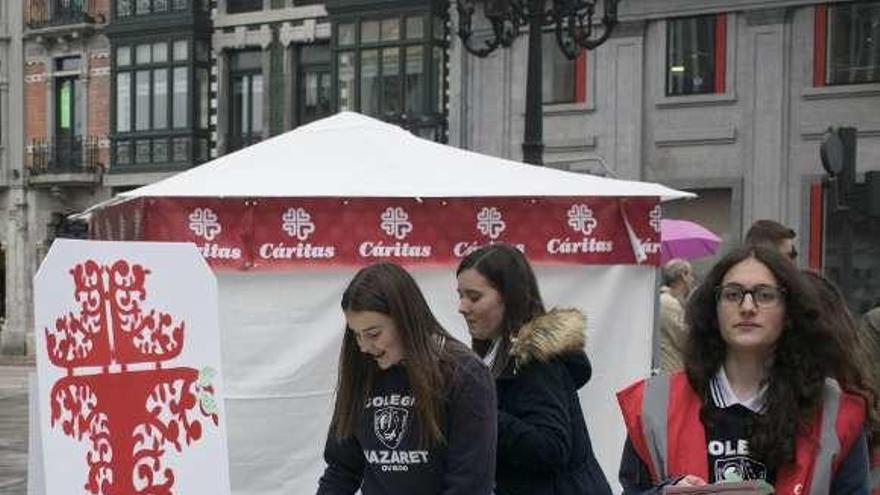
x=538, y=361
x=758, y=399
x=415, y=408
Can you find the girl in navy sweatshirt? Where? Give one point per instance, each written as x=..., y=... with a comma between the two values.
x=415, y=409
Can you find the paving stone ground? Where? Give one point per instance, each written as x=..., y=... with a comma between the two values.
x=13, y=426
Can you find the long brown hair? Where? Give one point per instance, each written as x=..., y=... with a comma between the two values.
x=806, y=353
x=507, y=271
x=858, y=378
x=388, y=289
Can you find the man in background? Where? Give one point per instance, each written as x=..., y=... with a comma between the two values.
x=773, y=234
x=678, y=282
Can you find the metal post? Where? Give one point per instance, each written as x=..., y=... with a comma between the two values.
x=533, y=138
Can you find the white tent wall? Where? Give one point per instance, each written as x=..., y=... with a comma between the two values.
x=280, y=371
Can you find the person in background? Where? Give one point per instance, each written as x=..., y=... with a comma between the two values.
x=764, y=395
x=773, y=234
x=415, y=409
x=860, y=346
x=678, y=282
x=537, y=358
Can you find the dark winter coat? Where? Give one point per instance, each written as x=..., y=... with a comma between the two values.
x=543, y=444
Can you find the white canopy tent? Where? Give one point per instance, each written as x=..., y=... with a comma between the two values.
x=285, y=224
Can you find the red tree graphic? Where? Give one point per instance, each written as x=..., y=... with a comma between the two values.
x=130, y=417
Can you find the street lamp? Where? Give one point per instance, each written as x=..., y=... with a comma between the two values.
x=572, y=23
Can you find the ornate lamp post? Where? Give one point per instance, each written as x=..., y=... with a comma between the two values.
x=572, y=22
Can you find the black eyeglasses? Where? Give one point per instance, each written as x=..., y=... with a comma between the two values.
x=763, y=296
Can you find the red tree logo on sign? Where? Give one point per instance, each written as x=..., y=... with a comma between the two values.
x=130, y=417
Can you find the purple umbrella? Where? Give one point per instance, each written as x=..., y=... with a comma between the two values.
x=685, y=239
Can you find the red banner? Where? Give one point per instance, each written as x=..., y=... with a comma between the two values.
x=284, y=232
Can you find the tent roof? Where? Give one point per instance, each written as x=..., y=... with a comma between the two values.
x=351, y=155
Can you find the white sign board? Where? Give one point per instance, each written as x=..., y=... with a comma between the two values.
x=130, y=395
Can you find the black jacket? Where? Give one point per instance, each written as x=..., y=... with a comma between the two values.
x=384, y=456
x=543, y=444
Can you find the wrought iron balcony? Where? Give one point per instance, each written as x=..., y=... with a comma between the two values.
x=53, y=13
x=64, y=156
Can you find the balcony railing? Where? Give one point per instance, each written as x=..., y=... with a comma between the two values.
x=51, y=13
x=64, y=156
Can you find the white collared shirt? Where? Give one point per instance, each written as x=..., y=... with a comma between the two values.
x=489, y=358
x=723, y=395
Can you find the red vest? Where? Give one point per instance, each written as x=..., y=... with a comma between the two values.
x=662, y=417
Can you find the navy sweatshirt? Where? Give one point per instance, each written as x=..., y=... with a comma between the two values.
x=384, y=456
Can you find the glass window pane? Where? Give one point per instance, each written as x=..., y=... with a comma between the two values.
x=123, y=102
x=558, y=86
x=181, y=50
x=247, y=60
x=142, y=100
x=854, y=43
x=345, y=34
x=123, y=153
x=204, y=98
x=240, y=109
x=143, y=54
x=690, y=56
x=160, y=52
x=65, y=93
x=369, y=102
x=315, y=95
x=160, y=99
x=369, y=31
x=415, y=28
x=257, y=103
x=390, y=29
x=202, y=52
x=123, y=56
x=183, y=4
x=143, y=7
x=415, y=79
x=345, y=69
x=391, y=81
x=67, y=64
x=160, y=5
x=123, y=8
x=181, y=86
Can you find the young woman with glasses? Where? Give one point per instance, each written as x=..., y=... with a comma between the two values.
x=756, y=400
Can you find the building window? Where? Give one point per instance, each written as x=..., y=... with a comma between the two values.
x=313, y=83
x=143, y=102
x=847, y=43
x=564, y=80
x=69, y=101
x=161, y=100
x=246, y=93
x=129, y=8
x=239, y=6
x=695, y=55
x=393, y=68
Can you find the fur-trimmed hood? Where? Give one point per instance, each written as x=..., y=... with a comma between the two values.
x=560, y=333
